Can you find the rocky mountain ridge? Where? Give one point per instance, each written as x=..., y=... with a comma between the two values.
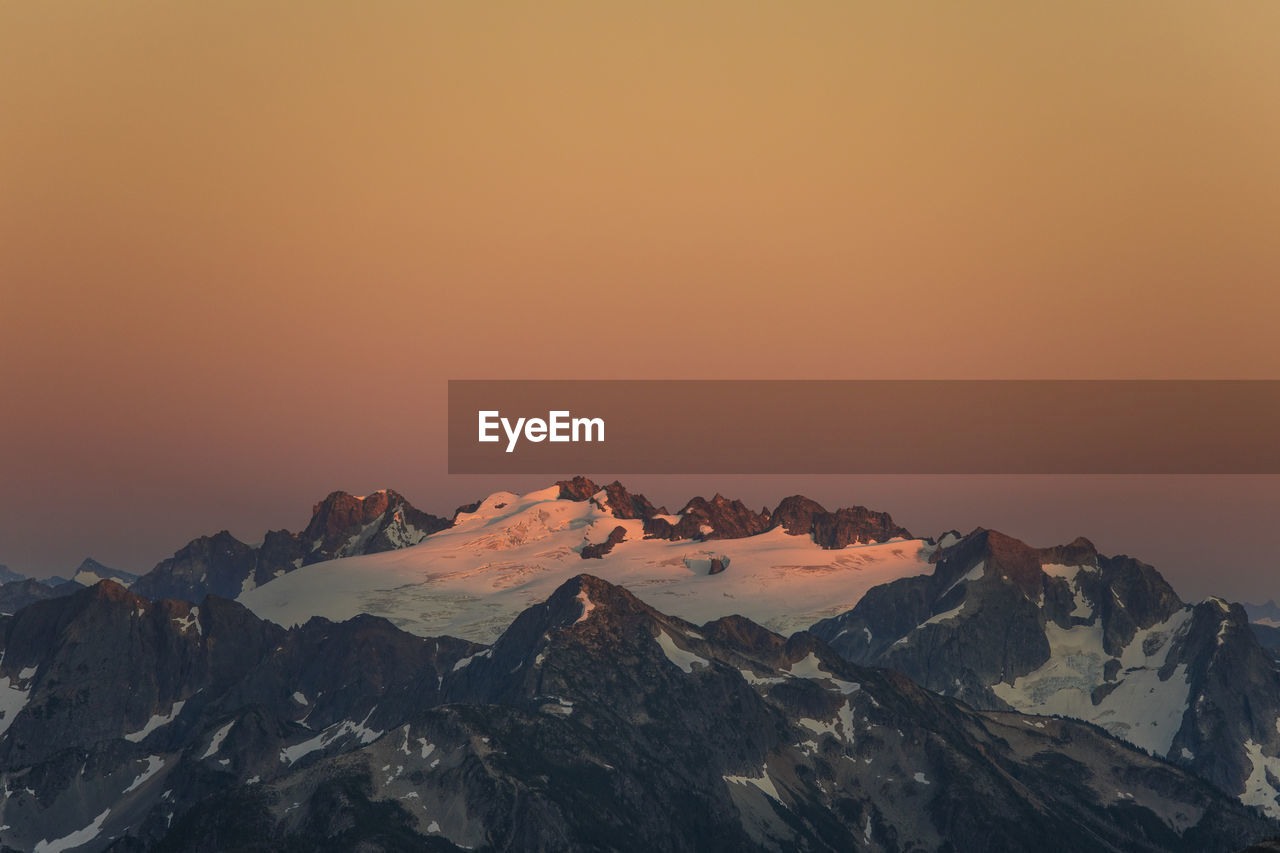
x=341, y=525
x=1068, y=631
x=17, y=590
x=594, y=721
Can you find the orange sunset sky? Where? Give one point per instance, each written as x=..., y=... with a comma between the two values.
x=243, y=245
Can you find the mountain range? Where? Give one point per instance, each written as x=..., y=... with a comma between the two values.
x=17, y=590
x=593, y=722
x=575, y=668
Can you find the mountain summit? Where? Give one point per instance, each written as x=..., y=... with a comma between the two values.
x=341, y=525
x=1068, y=631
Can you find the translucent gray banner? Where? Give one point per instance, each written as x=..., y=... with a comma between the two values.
x=864, y=427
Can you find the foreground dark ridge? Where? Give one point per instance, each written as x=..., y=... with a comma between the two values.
x=593, y=722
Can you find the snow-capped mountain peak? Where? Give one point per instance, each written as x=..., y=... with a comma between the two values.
x=509, y=550
x=91, y=571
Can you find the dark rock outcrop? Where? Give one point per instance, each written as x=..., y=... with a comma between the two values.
x=467, y=509
x=801, y=516
x=795, y=515
x=343, y=525
x=211, y=565
x=702, y=519
x=623, y=504
x=597, y=551
x=854, y=524
x=578, y=489
x=617, y=500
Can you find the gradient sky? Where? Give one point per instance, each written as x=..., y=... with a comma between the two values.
x=244, y=245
